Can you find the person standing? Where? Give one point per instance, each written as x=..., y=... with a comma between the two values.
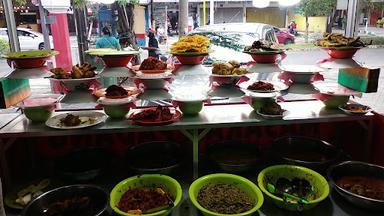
x=108, y=41
x=153, y=45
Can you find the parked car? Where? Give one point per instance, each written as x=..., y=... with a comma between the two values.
x=228, y=40
x=283, y=36
x=29, y=39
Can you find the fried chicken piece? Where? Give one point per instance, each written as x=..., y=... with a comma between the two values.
x=234, y=63
x=76, y=72
x=222, y=68
x=71, y=120
x=239, y=71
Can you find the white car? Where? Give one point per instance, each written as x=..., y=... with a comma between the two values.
x=29, y=39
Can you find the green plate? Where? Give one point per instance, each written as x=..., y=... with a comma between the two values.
x=192, y=53
x=31, y=54
x=10, y=198
x=264, y=52
x=111, y=52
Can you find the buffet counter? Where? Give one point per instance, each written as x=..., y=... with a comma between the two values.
x=196, y=127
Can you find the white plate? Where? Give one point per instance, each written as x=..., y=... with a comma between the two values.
x=229, y=76
x=367, y=109
x=266, y=116
x=277, y=85
x=75, y=80
x=117, y=101
x=88, y=118
x=140, y=75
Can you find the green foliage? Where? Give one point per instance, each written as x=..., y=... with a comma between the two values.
x=316, y=7
x=21, y=2
x=125, y=2
x=376, y=40
x=4, y=46
x=79, y=3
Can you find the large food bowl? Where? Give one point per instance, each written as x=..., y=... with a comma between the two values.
x=97, y=196
x=333, y=101
x=272, y=173
x=83, y=164
x=258, y=100
x=116, y=111
x=116, y=108
x=234, y=157
x=264, y=58
x=29, y=63
x=39, y=109
x=342, y=53
x=356, y=168
x=242, y=183
x=191, y=59
x=189, y=107
x=116, y=60
x=168, y=184
x=30, y=58
x=154, y=157
x=305, y=151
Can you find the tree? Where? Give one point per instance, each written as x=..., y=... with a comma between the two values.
x=310, y=8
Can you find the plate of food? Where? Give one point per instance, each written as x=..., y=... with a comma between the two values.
x=271, y=110
x=76, y=120
x=118, y=92
x=228, y=69
x=152, y=65
x=155, y=116
x=79, y=72
x=262, y=86
x=339, y=46
x=355, y=109
x=152, y=76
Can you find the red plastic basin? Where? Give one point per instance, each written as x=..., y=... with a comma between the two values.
x=265, y=58
x=191, y=60
x=342, y=53
x=117, y=61
x=29, y=62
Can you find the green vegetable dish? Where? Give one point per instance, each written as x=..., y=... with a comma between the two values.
x=224, y=199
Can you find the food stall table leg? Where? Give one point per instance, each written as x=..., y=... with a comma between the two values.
x=195, y=137
x=4, y=169
x=368, y=126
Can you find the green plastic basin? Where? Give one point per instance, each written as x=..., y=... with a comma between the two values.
x=335, y=101
x=167, y=183
x=272, y=173
x=242, y=183
x=38, y=114
x=190, y=107
x=116, y=111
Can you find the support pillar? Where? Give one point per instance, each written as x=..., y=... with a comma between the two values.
x=61, y=42
x=352, y=27
x=11, y=26
x=183, y=17
x=211, y=12
x=244, y=12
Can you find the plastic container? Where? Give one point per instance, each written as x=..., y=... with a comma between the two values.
x=242, y=183
x=116, y=60
x=190, y=60
x=167, y=183
x=342, y=53
x=272, y=173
